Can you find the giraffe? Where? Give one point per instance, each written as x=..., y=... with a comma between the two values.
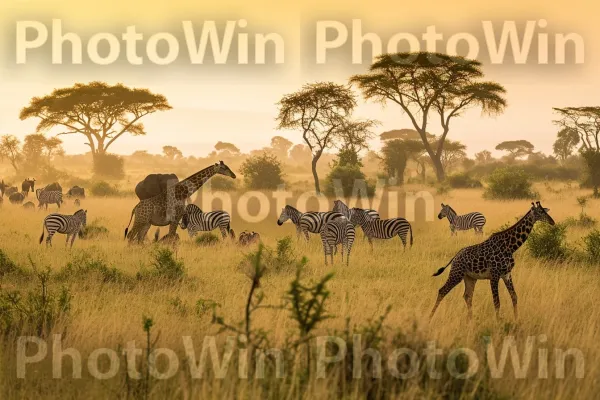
x=168, y=207
x=491, y=259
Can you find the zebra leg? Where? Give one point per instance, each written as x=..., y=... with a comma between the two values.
x=68, y=237
x=223, y=231
x=306, y=235
x=73, y=239
x=370, y=242
x=403, y=238
x=49, y=239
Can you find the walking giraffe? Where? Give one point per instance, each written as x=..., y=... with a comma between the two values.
x=168, y=207
x=491, y=259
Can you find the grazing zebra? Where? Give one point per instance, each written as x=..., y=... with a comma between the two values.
x=194, y=220
x=289, y=212
x=474, y=220
x=338, y=231
x=381, y=228
x=71, y=225
x=339, y=206
x=46, y=197
x=314, y=221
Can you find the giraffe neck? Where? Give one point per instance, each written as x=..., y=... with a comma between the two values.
x=517, y=234
x=294, y=214
x=193, y=182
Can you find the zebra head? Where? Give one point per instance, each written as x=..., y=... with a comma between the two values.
x=541, y=214
x=223, y=169
x=82, y=215
x=286, y=213
x=444, y=212
x=339, y=206
x=358, y=216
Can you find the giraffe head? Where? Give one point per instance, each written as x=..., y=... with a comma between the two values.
x=540, y=213
x=444, y=212
x=221, y=168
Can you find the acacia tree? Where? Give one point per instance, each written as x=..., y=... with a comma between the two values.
x=172, y=152
x=318, y=110
x=281, y=146
x=100, y=112
x=10, y=148
x=426, y=83
x=586, y=122
x=453, y=153
x=516, y=148
x=566, y=141
x=484, y=157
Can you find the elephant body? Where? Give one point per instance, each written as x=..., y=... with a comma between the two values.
x=154, y=184
x=53, y=187
x=76, y=191
x=16, y=198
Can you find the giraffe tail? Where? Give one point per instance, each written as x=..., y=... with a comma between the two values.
x=130, y=219
x=441, y=270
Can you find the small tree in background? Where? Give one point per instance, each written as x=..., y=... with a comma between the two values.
x=172, y=152
x=509, y=183
x=483, y=157
x=318, y=110
x=566, y=141
x=516, y=148
x=10, y=149
x=262, y=172
x=281, y=146
x=454, y=153
x=38, y=152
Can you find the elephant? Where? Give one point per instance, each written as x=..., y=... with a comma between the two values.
x=154, y=184
x=16, y=198
x=27, y=186
x=77, y=192
x=54, y=187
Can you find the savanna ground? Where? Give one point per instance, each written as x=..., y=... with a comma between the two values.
x=558, y=300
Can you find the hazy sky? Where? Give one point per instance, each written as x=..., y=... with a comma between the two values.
x=236, y=103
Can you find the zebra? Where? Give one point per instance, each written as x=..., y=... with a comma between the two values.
x=46, y=197
x=195, y=220
x=71, y=225
x=474, y=220
x=77, y=203
x=381, y=228
x=338, y=231
x=289, y=212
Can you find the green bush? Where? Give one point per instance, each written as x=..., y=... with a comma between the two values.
x=86, y=266
x=223, y=183
x=509, y=183
x=109, y=166
x=104, y=189
x=592, y=246
x=262, y=172
x=207, y=239
x=167, y=266
x=463, y=181
x=346, y=179
x=548, y=242
x=93, y=230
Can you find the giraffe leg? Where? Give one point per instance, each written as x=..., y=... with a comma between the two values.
x=511, y=290
x=453, y=280
x=142, y=232
x=494, y=286
x=468, y=296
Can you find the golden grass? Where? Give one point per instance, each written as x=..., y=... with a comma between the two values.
x=556, y=300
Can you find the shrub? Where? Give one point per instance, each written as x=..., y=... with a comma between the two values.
x=463, y=181
x=167, y=266
x=584, y=221
x=85, y=265
x=508, y=184
x=443, y=188
x=93, y=230
x=109, y=165
x=262, y=172
x=347, y=179
x=548, y=242
x=104, y=189
x=7, y=266
x=592, y=246
x=207, y=239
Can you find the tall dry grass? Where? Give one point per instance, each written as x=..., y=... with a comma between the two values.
x=559, y=301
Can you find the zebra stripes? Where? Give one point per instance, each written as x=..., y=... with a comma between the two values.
x=338, y=231
x=46, y=197
x=381, y=228
x=339, y=206
x=289, y=212
x=71, y=225
x=474, y=220
x=194, y=220
x=312, y=221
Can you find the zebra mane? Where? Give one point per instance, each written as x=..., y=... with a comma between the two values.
x=451, y=209
x=192, y=208
x=80, y=211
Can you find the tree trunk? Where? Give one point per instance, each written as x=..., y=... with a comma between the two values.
x=439, y=169
x=314, y=171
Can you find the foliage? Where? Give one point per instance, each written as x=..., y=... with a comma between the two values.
x=395, y=157
x=93, y=230
x=104, y=189
x=592, y=246
x=463, y=181
x=229, y=147
x=566, y=141
x=483, y=157
x=422, y=83
x=592, y=159
x=262, y=172
x=167, y=266
x=220, y=182
x=548, y=242
x=172, y=152
x=207, y=239
x=10, y=149
x=85, y=266
x=281, y=146
x=509, y=183
x=109, y=165
x=343, y=180
x=100, y=112
x=452, y=154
